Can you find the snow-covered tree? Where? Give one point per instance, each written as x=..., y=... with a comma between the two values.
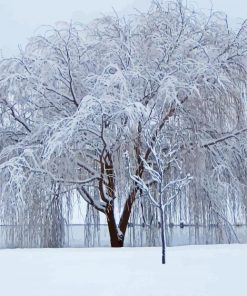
x=163, y=179
x=78, y=97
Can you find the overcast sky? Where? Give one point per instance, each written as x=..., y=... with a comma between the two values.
x=20, y=18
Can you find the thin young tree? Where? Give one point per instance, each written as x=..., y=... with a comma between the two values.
x=163, y=179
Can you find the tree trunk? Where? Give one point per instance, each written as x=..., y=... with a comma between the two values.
x=117, y=239
x=163, y=240
x=123, y=224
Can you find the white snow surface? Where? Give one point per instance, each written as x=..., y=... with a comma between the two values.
x=219, y=270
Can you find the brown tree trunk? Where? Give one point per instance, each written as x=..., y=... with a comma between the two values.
x=117, y=240
x=123, y=224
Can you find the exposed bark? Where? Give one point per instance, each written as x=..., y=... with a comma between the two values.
x=116, y=238
x=162, y=230
x=127, y=211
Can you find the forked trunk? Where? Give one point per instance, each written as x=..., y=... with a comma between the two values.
x=116, y=238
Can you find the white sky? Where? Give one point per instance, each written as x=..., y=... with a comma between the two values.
x=20, y=18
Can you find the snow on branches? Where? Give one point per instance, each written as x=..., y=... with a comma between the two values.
x=78, y=97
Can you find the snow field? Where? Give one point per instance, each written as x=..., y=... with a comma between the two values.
x=218, y=270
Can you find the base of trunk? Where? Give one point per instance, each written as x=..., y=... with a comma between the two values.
x=116, y=244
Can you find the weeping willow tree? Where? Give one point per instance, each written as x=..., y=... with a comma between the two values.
x=79, y=97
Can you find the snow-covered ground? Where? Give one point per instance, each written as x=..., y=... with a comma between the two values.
x=218, y=270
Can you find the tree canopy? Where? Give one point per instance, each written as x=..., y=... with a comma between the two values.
x=78, y=97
